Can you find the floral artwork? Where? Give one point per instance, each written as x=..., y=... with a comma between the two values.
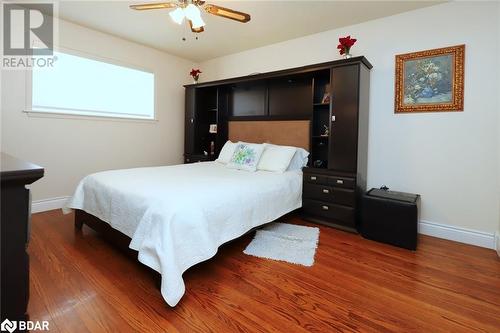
x=430, y=80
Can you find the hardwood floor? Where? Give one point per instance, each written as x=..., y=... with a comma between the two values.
x=80, y=283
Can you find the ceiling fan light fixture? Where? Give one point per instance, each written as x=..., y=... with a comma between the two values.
x=198, y=22
x=193, y=14
x=191, y=11
x=177, y=15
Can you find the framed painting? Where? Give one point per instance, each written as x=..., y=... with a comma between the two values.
x=430, y=81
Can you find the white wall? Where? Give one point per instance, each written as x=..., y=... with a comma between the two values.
x=497, y=239
x=451, y=159
x=69, y=149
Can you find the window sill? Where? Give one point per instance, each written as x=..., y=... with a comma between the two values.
x=63, y=115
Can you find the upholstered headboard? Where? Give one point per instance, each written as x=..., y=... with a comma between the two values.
x=281, y=132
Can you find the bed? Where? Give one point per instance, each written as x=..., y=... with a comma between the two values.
x=178, y=216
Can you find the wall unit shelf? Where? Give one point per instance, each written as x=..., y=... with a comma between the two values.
x=333, y=96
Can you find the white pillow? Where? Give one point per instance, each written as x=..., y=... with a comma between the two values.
x=226, y=152
x=246, y=156
x=299, y=160
x=276, y=158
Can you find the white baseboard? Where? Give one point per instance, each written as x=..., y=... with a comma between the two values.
x=458, y=234
x=462, y=235
x=38, y=206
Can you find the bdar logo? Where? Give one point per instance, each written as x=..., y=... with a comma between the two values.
x=9, y=326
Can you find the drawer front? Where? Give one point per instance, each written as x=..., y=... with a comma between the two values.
x=329, y=194
x=343, y=182
x=330, y=211
x=315, y=179
x=318, y=192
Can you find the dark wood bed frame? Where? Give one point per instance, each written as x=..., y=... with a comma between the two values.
x=122, y=241
x=115, y=237
x=251, y=131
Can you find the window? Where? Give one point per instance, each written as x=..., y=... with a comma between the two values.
x=83, y=86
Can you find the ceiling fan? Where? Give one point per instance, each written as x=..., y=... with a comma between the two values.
x=190, y=10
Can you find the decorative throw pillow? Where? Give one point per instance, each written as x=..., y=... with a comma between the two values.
x=246, y=156
x=276, y=158
x=226, y=152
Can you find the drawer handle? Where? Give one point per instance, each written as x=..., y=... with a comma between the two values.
x=340, y=181
x=326, y=191
x=313, y=177
x=324, y=207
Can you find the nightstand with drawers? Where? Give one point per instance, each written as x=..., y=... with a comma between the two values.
x=329, y=198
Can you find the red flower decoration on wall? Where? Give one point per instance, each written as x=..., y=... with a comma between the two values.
x=345, y=44
x=195, y=73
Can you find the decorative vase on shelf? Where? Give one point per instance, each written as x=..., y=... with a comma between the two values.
x=344, y=47
x=195, y=74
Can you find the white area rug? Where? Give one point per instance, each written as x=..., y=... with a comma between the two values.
x=295, y=244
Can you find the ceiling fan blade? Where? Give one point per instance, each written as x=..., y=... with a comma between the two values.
x=227, y=13
x=196, y=30
x=147, y=6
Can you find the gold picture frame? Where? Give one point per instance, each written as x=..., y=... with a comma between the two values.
x=430, y=81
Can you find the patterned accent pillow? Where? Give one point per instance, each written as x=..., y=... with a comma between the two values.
x=246, y=156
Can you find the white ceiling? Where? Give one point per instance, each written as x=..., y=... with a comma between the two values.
x=272, y=22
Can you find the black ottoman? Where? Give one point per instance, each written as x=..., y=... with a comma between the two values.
x=390, y=217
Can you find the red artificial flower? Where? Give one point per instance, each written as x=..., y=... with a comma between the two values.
x=195, y=72
x=345, y=43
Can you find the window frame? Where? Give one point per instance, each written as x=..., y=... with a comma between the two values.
x=80, y=114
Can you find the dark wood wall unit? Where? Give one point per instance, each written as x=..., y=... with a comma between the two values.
x=342, y=155
x=290, y=96
x=189, y=122
x=332, y=192
x=206, y=114
x=284, y=72
x=363, y=122
x=248, y=99
x=15, y=232
x=339, y=126
x=222, y=118
x=205, y=107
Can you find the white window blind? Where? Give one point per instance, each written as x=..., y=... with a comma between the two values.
x=82, y=86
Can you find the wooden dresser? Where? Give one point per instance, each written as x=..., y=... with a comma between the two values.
x=329, y=198
x=15, y=231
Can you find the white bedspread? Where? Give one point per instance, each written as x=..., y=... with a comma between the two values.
x=177, y=216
